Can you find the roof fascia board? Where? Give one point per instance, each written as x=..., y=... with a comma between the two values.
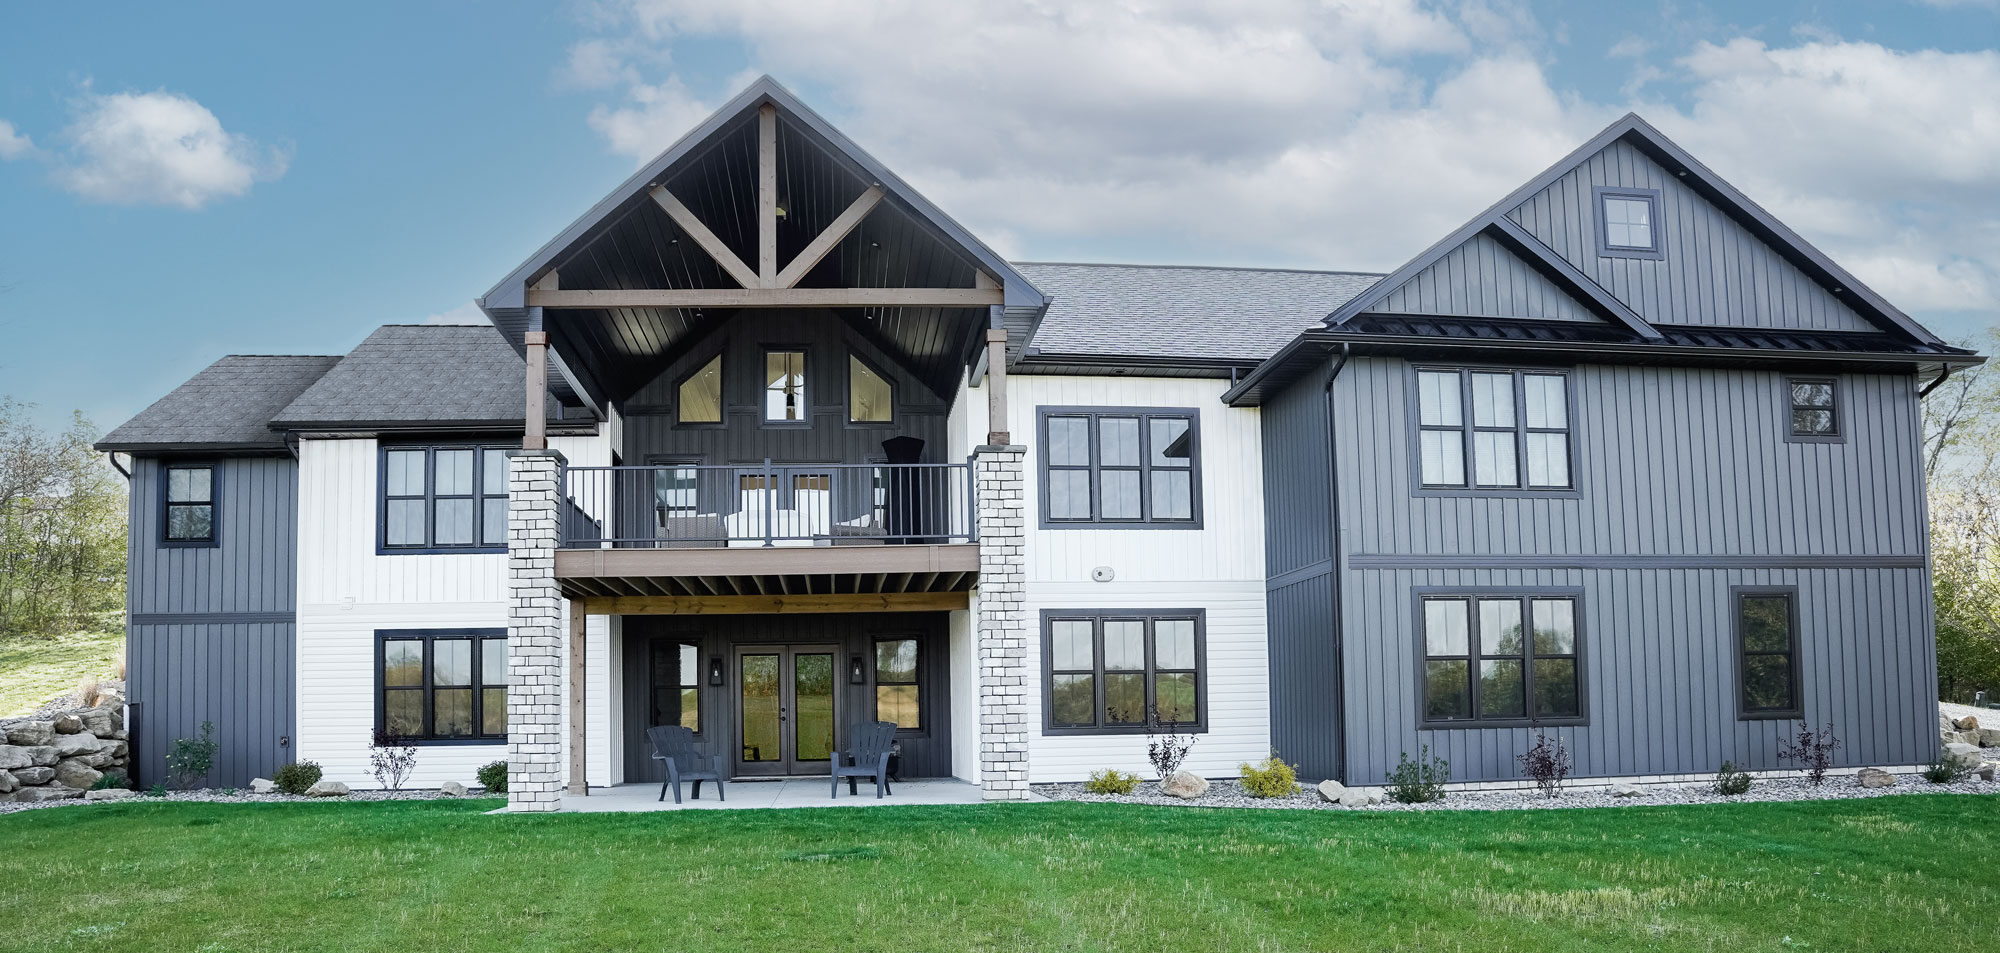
x=1567, y=276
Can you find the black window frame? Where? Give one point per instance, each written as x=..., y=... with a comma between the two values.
x=1526, y=597
x=1097, y=618
x=721, y=359
x=1794, y=669
x=847, y=402
x=1656, y=251
x=1792, y=435
x=479, y=498
x=916, y=681
x=481, y=640
x=1466, y=429
x=683, y=680
x=167, y=505
x=1145, y=416
x=764, y=418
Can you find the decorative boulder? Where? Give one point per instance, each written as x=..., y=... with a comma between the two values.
x=1968, y=723
x=31, y=733
x=69, y=746
x=8, y=782
x=101, y=758
x=1332, y=791
x=262, y=786
x=1356, y=797
x=1986, y=771
x=451, y=789
x=32, y=776
x=109, y=794
x=327, y=789
x=46, y=792
x=98, y=721
x=1964, y=754
x=1184, y=784
x=1626, y=790
x=68, y=724
x=1875, y=778
x=13, y=756
x=1989, y=737
x=76, y=774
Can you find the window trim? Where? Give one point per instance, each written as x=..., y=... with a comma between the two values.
x=805, y=422
x=1472, y=595
x=701, y=686
x=479, y=497
x=847, y=401
x=722, y=392
x=1146, y=520
x=1791, y=594
x=1414, y=409
x=479, y=637
x=214, y=538
x=1658, y=250
x=923, y=729
x=1839, y=434
x=1051, y=728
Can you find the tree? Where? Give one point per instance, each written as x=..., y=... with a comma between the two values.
x=62, y=527
x=1961, y=440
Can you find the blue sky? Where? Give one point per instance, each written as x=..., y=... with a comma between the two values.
x=177, y=184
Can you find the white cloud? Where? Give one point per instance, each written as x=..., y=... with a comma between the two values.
x=14, y=145
x=158, y=148
x=467, y=313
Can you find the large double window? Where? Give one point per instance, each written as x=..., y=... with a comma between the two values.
x=1111, y=670
x=1120, y=467
x=1767, y=642
x=1500, y=659
x=442, y=684
x=187, y=516
x=1491, y=429
x=446, y=498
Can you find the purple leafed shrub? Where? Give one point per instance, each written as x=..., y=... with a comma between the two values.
x=1812, y=749
x=1546, y=764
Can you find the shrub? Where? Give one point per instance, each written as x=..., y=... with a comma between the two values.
x=189, y=759
x=1545, y=765
x=157, y=790
x=1166, y=750
x=296, y=778
x=1271, y=777
x=112, y=779
x=493, y=777
x=1813, y=749
x=1111, y=781
x=1420, y=781
x=390, y=759
x=1730, y=781
x=1944, y=769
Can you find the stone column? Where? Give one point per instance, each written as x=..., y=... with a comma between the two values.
x=1004, y=679
x=534, y=631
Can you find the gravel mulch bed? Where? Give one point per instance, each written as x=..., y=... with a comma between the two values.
x=213, y=796
x=1837, y=787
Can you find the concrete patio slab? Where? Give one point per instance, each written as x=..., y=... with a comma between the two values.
x=777, y=793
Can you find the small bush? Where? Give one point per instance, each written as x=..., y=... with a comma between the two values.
x=1730, y=781
x=1420, y=781
x=391, y=758
x=1271, y=777
x=1813, y=750
x=296, y=778
x=157, y=790
x=1111, y=781
x=1546, y=765
x=112, y=779
x=1944, y=769
x=493, y=777
x=189, y=759
x=1166, y=749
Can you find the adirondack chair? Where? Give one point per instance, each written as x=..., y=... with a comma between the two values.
x=685, y=761
x=868, y=747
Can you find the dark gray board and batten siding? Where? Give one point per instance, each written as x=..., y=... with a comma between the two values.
x=1306, y=718
x=211, y=634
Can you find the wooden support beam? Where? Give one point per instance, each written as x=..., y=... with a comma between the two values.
x=996, y=388
x=767, y=196
x=709, y=243
x=535, y=417
x=748, y=297
x=776, y=605
x=829, y=237
x=579, y=783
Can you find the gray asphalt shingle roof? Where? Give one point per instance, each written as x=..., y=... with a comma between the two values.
x=413, y=374
x=228, y=406
x=1170, y=311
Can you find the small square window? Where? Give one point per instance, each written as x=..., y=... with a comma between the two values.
x=188, y=515
x=1628, y=223
x=1812, y=410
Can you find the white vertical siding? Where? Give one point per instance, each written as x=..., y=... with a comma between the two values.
x=964, y=694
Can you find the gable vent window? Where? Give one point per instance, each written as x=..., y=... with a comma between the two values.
x=1628, y=223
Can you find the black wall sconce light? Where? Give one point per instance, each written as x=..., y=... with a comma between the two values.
x=855, y=674
x=715, y=671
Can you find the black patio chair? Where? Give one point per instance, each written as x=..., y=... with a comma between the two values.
x=674, y=745
x=868, y=747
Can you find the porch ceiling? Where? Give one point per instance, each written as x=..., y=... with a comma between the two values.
x=767, y=573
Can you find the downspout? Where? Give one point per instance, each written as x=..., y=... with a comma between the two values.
x=1934, y=385
x=1333, y=556
x=113, y=457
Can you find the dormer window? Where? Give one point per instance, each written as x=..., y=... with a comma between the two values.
x=1628, y=223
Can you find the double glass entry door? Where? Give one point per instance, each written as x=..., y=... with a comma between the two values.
x=786, y=711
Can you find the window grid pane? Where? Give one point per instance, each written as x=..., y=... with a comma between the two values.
x=443, y=686
x=1518, y=426
x=1118, y=670
x=1120, y=468
x=1496, y=671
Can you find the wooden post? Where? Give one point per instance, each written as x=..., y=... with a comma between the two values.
x=996, y=388
x=535, y=425
x=767, y=196
x=578, y=778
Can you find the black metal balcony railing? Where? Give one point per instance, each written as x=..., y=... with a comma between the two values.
x=818, y=504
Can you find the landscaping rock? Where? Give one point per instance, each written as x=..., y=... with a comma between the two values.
x=68, y=724
x=1332, y=791
x=1989, y=737
x=110, y=794
x=98, y=721
x=13, y=756
x=1987, y=771
x=8, y=782
x=69, y=746
x=1626, y=790
x=30, y=733
x=262, y=786
x=1359, y=797
x=32, y=776
x=76, y=774
x=1875, y=778
x=1968, y=723
x=101, y=758
x=1185, y=785
x=1964, y=754
x=327, y=789
x=46, y=792
x=451, y=789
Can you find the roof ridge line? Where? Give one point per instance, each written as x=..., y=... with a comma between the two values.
x=1127, y=264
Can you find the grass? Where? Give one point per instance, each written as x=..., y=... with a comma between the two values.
x=1904, y=873
x=35, y=670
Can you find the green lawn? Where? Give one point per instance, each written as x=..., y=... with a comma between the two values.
x=32, y=671
x=1902, y=873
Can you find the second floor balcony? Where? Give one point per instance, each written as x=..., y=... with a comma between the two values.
x=767, y=505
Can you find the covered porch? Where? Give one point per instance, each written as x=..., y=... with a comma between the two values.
x=778, y=793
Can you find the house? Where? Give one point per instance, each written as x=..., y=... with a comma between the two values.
x=765, y=444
